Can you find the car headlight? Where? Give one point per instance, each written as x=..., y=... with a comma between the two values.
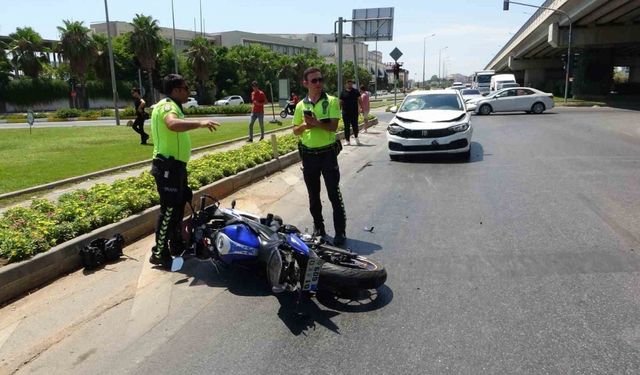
x=395, y=129
x=460, y=128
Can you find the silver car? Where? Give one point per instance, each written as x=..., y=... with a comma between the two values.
x=428, y=122
x=513, y=99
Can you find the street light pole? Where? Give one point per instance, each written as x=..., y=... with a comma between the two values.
x=440, y=62
x=424, y=55
x=175, y=54
x=568, y=62
x=112, y=65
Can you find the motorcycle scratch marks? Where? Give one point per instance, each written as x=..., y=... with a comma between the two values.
x=430, y=183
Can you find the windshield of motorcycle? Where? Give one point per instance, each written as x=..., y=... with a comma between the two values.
x=296, y=243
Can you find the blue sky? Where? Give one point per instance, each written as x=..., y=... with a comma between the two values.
x=473, y=30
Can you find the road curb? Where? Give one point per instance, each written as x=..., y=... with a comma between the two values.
x=19, y=278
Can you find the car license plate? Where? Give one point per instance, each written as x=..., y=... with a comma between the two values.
x=425, y=133
x=312, y=275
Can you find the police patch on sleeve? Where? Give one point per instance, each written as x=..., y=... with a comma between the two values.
x=167, y=107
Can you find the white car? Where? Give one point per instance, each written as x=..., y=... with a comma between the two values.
x=230, y=100
x=514, y=99
x=191, y=102
x=430, y=122
x=470, y=94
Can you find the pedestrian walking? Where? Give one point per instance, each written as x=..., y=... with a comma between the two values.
x=349, y=105
x=315, y=123
x=141, y=115
x=171, y=152
x=258, y=99
x=365, y=106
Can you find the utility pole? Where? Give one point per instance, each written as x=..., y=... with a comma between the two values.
x=112, y=65
x=424, y=56
x=175, y=54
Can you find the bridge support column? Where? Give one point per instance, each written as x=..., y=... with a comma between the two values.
x=535, y=77
x=593, y=73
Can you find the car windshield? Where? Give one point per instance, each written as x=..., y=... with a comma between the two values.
x=484, y=79
x=226, y=98
x=431, y=102
x=470, y=92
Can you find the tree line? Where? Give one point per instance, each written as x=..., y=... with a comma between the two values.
x=145, y=54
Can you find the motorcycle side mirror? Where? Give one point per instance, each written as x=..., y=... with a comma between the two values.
x=233, y=204
x=177, y=264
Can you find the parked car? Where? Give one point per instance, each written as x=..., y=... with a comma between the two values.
x=191, y=102
x=230, y=100
x=525, y=99
x=430, y=122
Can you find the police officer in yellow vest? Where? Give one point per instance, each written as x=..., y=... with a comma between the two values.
x=315, y=121
x=171, y=152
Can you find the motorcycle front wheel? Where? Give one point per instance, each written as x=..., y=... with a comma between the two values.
x=357, y=273
x=283, y=114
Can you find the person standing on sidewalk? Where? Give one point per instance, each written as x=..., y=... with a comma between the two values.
x=315, y=123
x=349, y=104
x=141, y=115
x=258, y=99
x=365, y=105
x=171, y=152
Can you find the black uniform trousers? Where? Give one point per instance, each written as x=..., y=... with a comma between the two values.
x=324, y=163
x=171, y=182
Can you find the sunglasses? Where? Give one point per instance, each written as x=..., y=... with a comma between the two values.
x=317, y=80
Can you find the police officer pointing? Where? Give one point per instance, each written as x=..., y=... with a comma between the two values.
x=315, y=123
x=171, y=152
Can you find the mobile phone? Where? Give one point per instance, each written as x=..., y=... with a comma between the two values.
x=308, y=112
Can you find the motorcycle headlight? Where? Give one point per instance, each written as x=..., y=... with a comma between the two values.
x=395, y=129
x=460, y=127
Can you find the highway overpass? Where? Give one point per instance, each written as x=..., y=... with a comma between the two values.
x=605, y=34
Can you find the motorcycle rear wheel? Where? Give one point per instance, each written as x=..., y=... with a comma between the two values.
x=359, y=273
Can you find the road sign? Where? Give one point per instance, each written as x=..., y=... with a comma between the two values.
x=30, y=118
x=395, y=54
x=372, y=24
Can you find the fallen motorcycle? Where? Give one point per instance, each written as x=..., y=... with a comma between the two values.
x=294, y=261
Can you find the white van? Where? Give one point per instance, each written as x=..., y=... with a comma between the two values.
x=501, y=79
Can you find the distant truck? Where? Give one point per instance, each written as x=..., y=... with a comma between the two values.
x=481, y=81
x=498, y=80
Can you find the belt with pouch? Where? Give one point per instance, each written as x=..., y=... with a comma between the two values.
x=318, y=150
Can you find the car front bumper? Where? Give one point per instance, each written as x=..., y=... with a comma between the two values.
x=454, y=143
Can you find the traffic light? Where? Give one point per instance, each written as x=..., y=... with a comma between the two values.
x=396, y=70
x=505, y=5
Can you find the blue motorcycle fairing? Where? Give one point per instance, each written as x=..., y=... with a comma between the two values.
x=237, y=243
x=297, y=244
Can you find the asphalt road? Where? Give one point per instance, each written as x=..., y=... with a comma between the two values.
x=524, y=260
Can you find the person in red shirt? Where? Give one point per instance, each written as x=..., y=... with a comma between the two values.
x=258, y=99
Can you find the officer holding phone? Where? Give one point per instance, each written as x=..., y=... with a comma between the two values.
x=315, y=123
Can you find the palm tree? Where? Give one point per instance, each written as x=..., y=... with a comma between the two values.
x=26, y=49
x=146, y=43
x=80, y=50
x=101, y=64
x=201, y=59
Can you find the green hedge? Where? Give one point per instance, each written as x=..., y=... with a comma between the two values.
x=27, y=91
x=26, y=231
x=219, y=110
